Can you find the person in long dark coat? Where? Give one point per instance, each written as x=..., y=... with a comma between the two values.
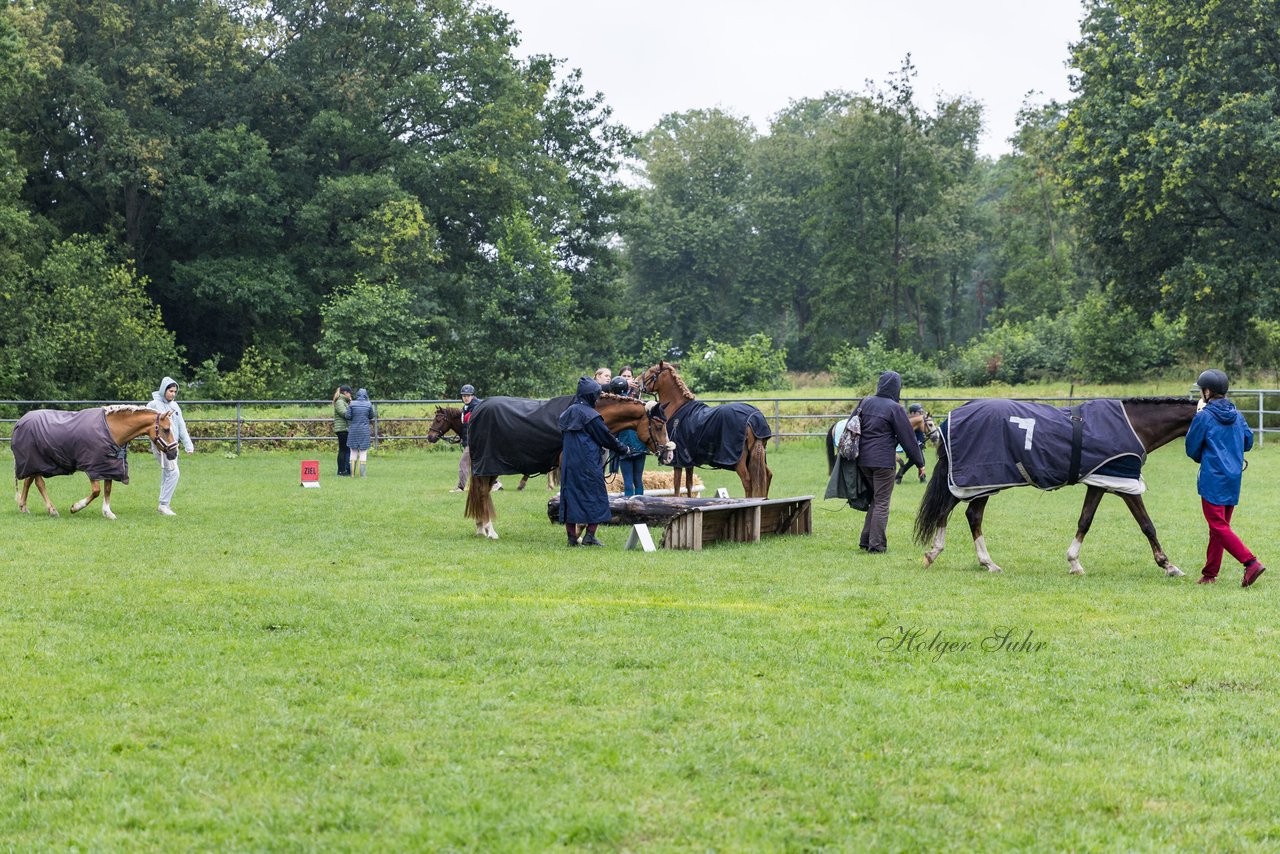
x=361, y=413
x=584, y=501
x=884, y=428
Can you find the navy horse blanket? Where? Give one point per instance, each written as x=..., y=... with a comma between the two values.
x=995, y=444
x=515, y=435
x=48, y=442
x=714, y=435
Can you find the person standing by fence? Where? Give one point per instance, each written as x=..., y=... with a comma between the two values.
x=165, y=400
x=884, y=428
x=360, y=435
x=1217, y=440
x=341, y=426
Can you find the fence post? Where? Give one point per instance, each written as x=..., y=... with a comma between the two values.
x=1262, y=421
x=777, y=422
x=239, y=421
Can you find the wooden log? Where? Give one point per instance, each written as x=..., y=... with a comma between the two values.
x=649, y=509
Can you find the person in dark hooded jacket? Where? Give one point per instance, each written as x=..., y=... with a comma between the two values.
x=1217, y=440
x=884, y=427
x=584, y=501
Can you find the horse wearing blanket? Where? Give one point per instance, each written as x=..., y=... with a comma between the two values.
x=990, y=445
x=48, y=443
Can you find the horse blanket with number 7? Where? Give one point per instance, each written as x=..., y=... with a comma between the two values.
x=995, y=444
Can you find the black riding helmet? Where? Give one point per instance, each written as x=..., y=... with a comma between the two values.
x=1214, y=380
x=915, y=407
x=619, y=385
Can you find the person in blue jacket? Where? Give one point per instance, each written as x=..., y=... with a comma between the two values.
x=363, y=416
x=584, y=501
x=1217, y=440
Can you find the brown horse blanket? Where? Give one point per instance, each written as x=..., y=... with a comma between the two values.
x=515, y=435
x=714, y=435
x=994, y=444
x=48, y=443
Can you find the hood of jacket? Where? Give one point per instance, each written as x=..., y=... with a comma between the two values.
x=362, y=394
x=588, y=392
x=158, y=394
x=1222, y=409
x=890, y=385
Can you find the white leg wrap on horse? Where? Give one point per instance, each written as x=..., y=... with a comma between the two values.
x=980, y=544
x=939, y=543
x=1073, y=556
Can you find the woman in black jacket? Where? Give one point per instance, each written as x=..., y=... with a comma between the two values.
x=884, y=427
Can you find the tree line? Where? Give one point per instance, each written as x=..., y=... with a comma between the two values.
x=273, y=197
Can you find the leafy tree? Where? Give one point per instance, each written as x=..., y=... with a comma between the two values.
x=370, y=337
x=87, y=329
x=688, y=236
x=754, y=365
x=1175, y=153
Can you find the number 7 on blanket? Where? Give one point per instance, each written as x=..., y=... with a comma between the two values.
x=1028, y=424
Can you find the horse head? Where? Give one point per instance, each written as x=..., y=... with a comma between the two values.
x=932, y=434
x=161, y=433
x=444, y=421
x=657, y=440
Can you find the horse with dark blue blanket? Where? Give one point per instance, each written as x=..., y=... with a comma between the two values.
x=729, y=436
x=991, y=445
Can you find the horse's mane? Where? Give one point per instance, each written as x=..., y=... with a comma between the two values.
x=127, y=407
x=1166, y=400
x=451, y=411
x=680, y=386
x=604, y=395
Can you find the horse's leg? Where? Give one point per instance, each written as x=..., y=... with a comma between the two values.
x=1087, y=511
x=479, y=505
x=523, y=481
x=974, y=514
x=106, y=501
x=94, y=488
x=940, y=536
x=20, y=493
x=1139, y=511
x=48, y=505
x=744, y=475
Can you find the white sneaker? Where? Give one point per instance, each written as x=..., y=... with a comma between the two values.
x=164, y=510
x=497, y=484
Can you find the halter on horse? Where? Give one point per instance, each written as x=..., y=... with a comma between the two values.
x=735, y=420
x=619, y=413
x=44, y=446
x=1155, y=422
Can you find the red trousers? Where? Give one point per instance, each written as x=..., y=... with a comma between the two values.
x=1221, y=538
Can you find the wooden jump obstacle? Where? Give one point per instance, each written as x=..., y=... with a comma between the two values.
x=691, y=523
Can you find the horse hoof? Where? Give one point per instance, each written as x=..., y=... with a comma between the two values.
x=1076, y=570
x=107, y=514
x=994, y=568
x=1173, y=572
x=24, y=510
x=929, y=559
x=76, y=508
x=53, y=513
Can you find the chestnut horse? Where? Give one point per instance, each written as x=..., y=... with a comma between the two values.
x=1155, y=422
x=449, y=418
x=47, y=451
x=664, y=381
x=619, y=413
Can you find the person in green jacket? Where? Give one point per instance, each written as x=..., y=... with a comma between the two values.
x=341, y=425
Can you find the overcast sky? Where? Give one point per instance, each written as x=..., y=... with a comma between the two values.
x=751, y=57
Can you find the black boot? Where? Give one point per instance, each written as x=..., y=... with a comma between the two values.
x=590, y=540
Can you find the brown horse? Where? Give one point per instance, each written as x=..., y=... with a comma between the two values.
x=619, y=413
x=449, y=418
x=44, y=445
x=664, y=381
x=1155, y=422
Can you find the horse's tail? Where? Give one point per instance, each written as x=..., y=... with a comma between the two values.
x=757, y=469
x=937, y=503
x=479, y=499
x=831, y=449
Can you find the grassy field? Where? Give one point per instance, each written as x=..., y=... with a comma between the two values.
x=349, y=668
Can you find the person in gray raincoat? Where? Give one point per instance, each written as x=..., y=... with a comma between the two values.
x=164, y=399
x=584, y=501
x=360, y=434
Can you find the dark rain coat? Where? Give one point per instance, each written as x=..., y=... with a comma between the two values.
x=361, y=413
x=885, y=426
x=583, y=497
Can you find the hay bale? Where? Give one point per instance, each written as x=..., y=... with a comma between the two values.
x=656, y=482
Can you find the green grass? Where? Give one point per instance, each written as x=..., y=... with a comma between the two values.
x=351, y=669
